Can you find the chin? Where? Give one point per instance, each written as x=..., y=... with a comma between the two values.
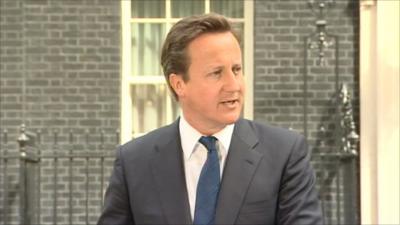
x=231, y=119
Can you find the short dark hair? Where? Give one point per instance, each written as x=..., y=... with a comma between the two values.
x=174, y=58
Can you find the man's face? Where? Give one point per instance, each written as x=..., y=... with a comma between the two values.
x=213, y=96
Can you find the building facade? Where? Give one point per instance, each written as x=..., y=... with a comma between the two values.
x=62, y=71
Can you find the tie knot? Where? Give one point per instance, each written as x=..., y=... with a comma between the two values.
x=209, y=142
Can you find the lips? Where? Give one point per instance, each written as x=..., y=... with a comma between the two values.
x=231, y=103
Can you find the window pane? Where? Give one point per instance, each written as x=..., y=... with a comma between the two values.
x=146, y=49
x=239, y=28
x=183, y=8
x=148, y=8
x=229, y=8
x=149, y=106
x=149, y=102
x=176, y=110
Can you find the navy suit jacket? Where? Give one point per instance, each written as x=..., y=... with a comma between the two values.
x=267, y=179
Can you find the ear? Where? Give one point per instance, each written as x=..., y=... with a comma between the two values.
x=177, y=84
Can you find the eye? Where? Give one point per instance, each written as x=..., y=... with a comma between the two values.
x=216, y=73
x=237, y=70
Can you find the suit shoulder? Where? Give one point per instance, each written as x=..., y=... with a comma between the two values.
x=273, y=134
x=143, y=144
x=278, y=143
x=272, y=130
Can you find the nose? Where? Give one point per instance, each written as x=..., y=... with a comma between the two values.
x=232, y=82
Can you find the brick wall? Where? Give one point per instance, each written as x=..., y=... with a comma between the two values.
x=279, y=52
x=280, y=29
x=60, y=63
x=59, y=71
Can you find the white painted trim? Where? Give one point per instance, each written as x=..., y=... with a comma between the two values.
x=368, y=166
x=126, y=68
x=248, y=57
x=154, y=20
x=168, y=12
x=174, y=20
x=379, y=111
x=146, y=80
x=242, y=20
x=387, y=89
x=169, y=25
x=207, y=6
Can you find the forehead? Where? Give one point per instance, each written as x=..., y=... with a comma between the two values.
x=221, y=35
x=213, y=44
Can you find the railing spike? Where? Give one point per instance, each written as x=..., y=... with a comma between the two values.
x=117, y=133
x=87, y=136
x=39, y=136
x=71, y=136
x=23, y=138
x=5, y=136
x=55, y=136
x=102, y=137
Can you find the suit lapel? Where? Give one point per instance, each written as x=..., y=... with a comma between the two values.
x=242, y=162
x=168, y=172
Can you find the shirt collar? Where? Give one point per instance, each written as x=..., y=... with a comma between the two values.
x=190, y=137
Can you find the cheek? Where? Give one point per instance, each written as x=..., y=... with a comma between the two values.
x=242, y=84
x=207, y=97
x=204, y=95
x=207, y=100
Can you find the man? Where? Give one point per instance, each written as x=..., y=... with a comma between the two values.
x=211, y=166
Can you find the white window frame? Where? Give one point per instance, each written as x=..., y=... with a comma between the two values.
x=379, y=111
x=126, y=62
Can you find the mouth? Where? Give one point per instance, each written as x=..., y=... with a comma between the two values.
x=230, y=103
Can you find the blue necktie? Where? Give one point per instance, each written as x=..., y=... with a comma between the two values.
x=208, y=185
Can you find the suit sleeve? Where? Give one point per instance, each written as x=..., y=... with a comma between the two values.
x=298, y=197
x=117, y=210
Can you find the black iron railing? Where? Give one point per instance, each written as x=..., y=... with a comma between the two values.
x=338, y=178
x=58, y=182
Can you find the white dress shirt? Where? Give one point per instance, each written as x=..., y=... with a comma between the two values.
x=195, y=155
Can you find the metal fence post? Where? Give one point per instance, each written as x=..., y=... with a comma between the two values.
x=22, y=142
x=27, y=185
x=28, y=158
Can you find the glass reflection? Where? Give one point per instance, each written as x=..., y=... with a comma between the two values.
x=229, y=8
x=150, y=105
x=183, y=8
x=148, y=8
x=146, y=47
x=239, y=28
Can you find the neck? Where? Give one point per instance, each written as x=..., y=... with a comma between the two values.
x=203, y=127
